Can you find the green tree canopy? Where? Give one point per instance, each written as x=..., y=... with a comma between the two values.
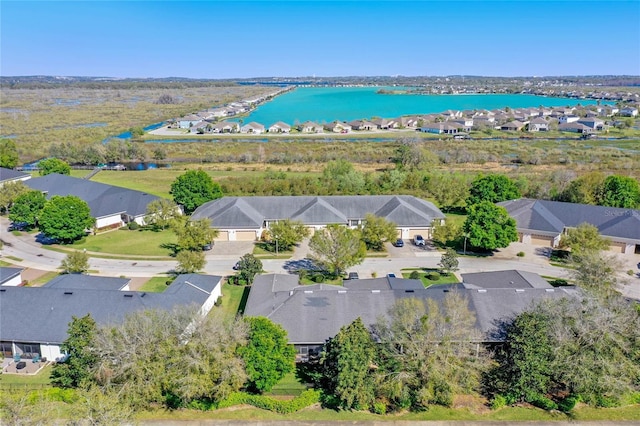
x=161, y=213
x=585, y=237
x=248, y=267
x=53, y=165
x=337, y=248
x=489, y=226
x=408, y=155
x=493, y=188
x=190, y=261
x=9, y=192
x=8, y=153
x=65, y=218
x=346, y=364
x=27, y=207
x=194, y=234
x=450, y=190
x=449, y=260
x=268, y=356
x=193, y=189
x=619, y=191
x=343, y=178
x=286, y=233
x=76, y=262
x=376, y=231
x=583, y=190
x=77, y=371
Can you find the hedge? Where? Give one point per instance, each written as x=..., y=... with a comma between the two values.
x=305, y=399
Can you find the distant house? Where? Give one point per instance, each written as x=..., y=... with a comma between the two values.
x=362, y=125
x=280, y=127
x=568, y=119
x=449, y=128
x=188, y=121
x=542, y=222
x=538, y=124
x=245, y=218
x=629, y=112
x=337, y=127
x=110, y=205
x=512, y=126
x=225, y=127
x=465, y=124
x=10, y=276
x=310, y=127
x=311, y=314
x=10, y=175
x=253, y=128
x=34, y=320
x=575, y=127
x=409, y=122
x=592, y=122
x=385, y=124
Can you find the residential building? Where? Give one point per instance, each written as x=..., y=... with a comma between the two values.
x=629, y=112
x=542, y=222
x=245, y=218
x=512, y=126
x=575, y=128
x=593, y=123
x=310, y=127
x=10, y=276
x=337, y=127
x=280, y=127
x=538, y=124
x=10, y=175
x=253, y=128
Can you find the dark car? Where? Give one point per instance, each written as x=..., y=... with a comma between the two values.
x=399, y=243
x=207, y=247
x=353, y=276
x=391, y=275
x=236, y=266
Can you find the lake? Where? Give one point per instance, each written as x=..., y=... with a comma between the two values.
x=326, y=104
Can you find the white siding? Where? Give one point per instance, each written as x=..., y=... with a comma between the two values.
x=108, y=221
x=50, y=351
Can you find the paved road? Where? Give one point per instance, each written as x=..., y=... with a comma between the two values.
x=32, y=255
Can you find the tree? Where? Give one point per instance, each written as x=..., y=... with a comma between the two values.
x=493, y=188
x=268, y=356
x=449, y=261
x=595, y=272
x=619, y=191
x=8, y=154
x=190, y=261
x=583, y=190
x=9, y=192
x=193, y=189
x=450, y=190
x=376, y=231
x=27, y=207
x=342, y=177
x=447, y=233
x=337, y=248
x=284, y=234
x=346, y=364
x=524, y=369
x=489, y=226
x=194, y=234
x=53, y=165
x=65, y=218
x=76, y=371
x=585, y=237
x=76, y=262
x=248, y=267
x=161, y=213
x=408, y=155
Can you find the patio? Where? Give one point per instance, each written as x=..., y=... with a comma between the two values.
x=9, y=366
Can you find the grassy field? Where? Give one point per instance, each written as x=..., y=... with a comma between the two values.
x=125, y=242
x=234, y=297
x=155, y=285
x=444, y=278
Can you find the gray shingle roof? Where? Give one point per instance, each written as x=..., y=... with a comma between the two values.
x=551, y=217
x=103, y=200
x=251, y=212
x=7, y=273
x=312, y=314
x=504, y=279
x=87, y=282
x=42, y=314
x=10, y=174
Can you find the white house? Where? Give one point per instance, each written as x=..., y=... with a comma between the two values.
x=10, y=276
x=253, y=128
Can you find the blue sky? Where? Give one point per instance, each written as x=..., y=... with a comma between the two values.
x=216, y=39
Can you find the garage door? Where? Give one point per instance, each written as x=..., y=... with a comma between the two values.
x=617, y=247
x=423, y=232
x=245, y=235
x=223, y=236
x=541, y=240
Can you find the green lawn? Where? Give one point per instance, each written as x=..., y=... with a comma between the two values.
x=43, y=279
x=288, y=385
x=456, y=218
x=261, y=253
x=233, y=299
x=155, y=285
x=42, y=378
x=139, y=243
x=444, y=279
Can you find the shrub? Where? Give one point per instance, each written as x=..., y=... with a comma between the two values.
x=606, y=401
x=567, y=404
x=133, y=226
x=630, y=272
x=415, y=275
x=433, y=276
x=559, y=282
x=543, y=402
x=54, y=394
x=374, y=275
x=379, y=408
x=218, y=301
x=520, y=254
x=305, y=399
x=498, y=402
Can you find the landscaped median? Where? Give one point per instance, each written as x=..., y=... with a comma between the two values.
x=430, y=276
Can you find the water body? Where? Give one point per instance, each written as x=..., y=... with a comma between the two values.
x=326, y=104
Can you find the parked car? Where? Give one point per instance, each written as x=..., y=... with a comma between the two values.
x=391, y=275
x=399, y=243
x=207, y=246
x=418, y=240
x=236, y=266
x=353, y=276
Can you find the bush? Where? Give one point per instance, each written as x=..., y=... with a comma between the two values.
x=543, y=402
x=68, y=396
x=218, y=301
x=606, y=401
x=433, y=276
x=379, y=408
x=520, y=254
x=630, y=272
x=133, y=226
x=559, y=282
x=415, y=275
x=305, y=399
x=567, y=404
x=498, y=402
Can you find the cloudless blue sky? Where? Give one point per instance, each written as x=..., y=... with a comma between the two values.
x=216, y=39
